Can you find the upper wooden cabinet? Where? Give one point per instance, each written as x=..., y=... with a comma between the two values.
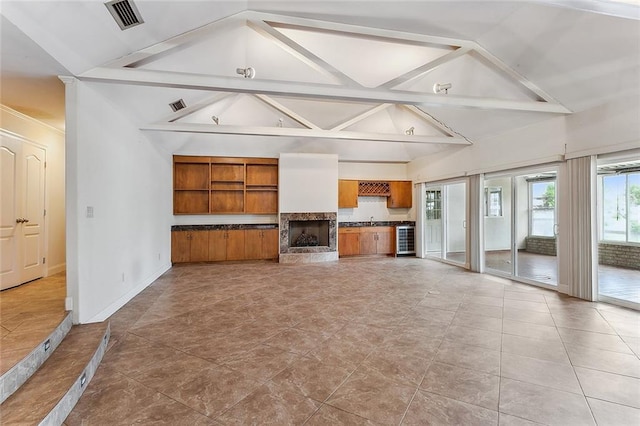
x=225, y=185
x=400, y=195
x=347, y=193
x=398, y=192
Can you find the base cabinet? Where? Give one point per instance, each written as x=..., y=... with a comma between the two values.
x=221, y=245
x=367, y=240
x=189, y=246
x=261, y=244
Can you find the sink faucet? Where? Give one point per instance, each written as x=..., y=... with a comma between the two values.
x=371, y=221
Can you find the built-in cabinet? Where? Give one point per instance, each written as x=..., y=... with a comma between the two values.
x=399, y=192
x=366, y=240
x=224, y=185
x=220, y=245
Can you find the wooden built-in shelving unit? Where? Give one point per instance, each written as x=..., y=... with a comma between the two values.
x=225, y=185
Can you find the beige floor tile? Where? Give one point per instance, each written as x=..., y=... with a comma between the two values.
x=611, y=362
x=402, y=368
x=534, y=331
x=431, y=409
x=540, y=318
x=331, y=416
x=261, y=362
x=543, y=405
x=471, y=357
x=610, y=387
x=270, y=404
x=477, y=321
x=369, y=394
x=548, y=350
x=545, y=373
x=462, y=384
x=509, y=420
x=475, y=337
x=593, y=340
x=610, y=414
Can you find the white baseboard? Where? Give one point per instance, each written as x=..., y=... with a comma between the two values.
x=563, y=288
x=111, y=309
x=52, y=270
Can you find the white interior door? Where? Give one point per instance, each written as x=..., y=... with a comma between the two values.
x=22, y=212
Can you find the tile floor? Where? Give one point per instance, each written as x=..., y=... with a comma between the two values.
x=363, y=341
x=360, y=341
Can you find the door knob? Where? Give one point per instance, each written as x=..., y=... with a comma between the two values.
x=20, y=220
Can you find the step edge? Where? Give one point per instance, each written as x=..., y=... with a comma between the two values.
x=17, y=375
x=66, y=404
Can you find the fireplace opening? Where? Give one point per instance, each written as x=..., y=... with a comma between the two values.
x=308, y=233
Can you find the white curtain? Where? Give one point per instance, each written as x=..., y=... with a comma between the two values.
x=577, y=234
x=420, y=198
x=475, y=219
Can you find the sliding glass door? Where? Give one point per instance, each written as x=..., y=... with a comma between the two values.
x=446, y=222
x=520, y=225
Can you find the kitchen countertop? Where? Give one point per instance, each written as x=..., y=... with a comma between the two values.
x=229, y=227
x=379, y=223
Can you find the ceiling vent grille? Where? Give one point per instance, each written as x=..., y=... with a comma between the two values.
x=177, y=105
x=125, y=13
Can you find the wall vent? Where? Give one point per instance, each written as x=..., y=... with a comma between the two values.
x=177, y=105
x=125, y=13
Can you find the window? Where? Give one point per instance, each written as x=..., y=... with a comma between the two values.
x=621, y=207
x=493, y=202
x=542, y=208
x=434, y=204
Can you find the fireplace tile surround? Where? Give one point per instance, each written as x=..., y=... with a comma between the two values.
x=308, y=254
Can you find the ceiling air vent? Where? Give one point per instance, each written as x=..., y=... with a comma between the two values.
x=125, y=13
x=177, y=105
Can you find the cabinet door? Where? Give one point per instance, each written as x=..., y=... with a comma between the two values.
x=270, y=243
x=199, y=250
x=253, y=244
x=400, y=194
x=217, y=245
x=180, y=247
x=235, y=245
x=368, y=241
x=347, y=193
x=385, y=241
x=348, y=243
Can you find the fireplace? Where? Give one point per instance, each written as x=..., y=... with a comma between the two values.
x=308, y=233
x=308, y=237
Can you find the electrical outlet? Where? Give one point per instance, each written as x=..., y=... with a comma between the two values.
x=89, y=212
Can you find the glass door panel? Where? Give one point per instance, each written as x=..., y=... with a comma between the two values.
x=456, y=222
x=498, y=224
x=433, y=221
x=536, y=227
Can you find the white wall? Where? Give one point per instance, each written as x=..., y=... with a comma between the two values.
x=53, y=141
x=375, y=207
x=126, y=178
x=308, y=183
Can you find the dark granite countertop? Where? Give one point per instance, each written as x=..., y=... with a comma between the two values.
x=380, y=223
x=228, y=227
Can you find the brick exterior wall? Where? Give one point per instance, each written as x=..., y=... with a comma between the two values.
x=541, y=245
x=625, y=256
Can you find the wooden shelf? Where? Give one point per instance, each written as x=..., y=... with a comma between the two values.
x=227, y=185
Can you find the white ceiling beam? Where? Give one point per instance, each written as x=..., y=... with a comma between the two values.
x=360, y=117
x=510, y=73
x=301, y=53
x=288, y=112
x=308, y=90
x=430, y=119
x=307, y=133
x=423, y=69
x=356, y=30
x=163, y=48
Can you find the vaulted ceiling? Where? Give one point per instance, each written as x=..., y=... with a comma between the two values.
x=366, y=80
